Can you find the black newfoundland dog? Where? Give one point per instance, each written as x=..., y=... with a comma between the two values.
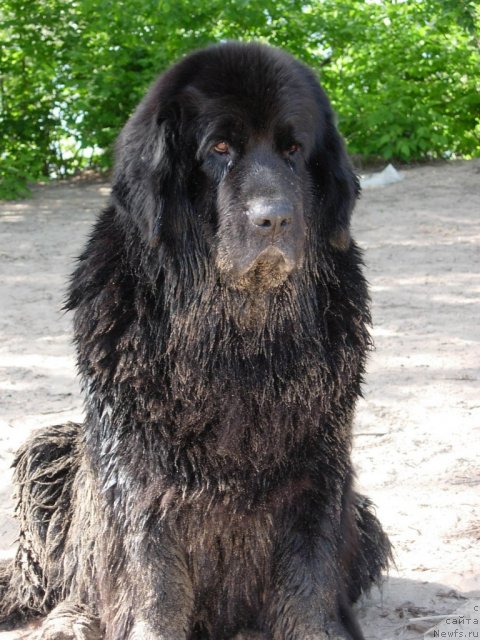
x=221, y=325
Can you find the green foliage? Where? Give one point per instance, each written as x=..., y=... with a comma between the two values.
x=406, y=78
x=402, y=75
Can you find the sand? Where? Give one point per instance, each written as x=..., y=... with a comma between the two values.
x=417, y=434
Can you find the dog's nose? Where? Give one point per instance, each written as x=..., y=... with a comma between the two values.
x=271, y=217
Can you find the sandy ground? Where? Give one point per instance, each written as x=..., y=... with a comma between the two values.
x=417, y=431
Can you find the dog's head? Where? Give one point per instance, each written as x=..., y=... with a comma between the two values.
x=235, y=150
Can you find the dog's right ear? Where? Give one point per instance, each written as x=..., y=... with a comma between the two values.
x=337, y=186
x=147, y=174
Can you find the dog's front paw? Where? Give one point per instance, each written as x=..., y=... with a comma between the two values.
x=251, y=635
x=70, y=621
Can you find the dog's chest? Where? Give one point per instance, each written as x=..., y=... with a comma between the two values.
x=231, y=559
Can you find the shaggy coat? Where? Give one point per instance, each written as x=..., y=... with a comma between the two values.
x=220, y=318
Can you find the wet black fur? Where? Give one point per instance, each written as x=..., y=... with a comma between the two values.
x=209, y=492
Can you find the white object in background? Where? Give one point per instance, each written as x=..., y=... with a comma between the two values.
x=388, y=176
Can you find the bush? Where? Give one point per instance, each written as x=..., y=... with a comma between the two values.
x=403, y=76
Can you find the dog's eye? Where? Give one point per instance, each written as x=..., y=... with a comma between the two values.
x=292, y=149
x=221, y=147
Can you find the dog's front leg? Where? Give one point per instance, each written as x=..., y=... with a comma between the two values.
x=308, y=602
x=145, y=591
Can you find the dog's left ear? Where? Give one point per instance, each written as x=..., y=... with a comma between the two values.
x=147, y=183
x=336, y=185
